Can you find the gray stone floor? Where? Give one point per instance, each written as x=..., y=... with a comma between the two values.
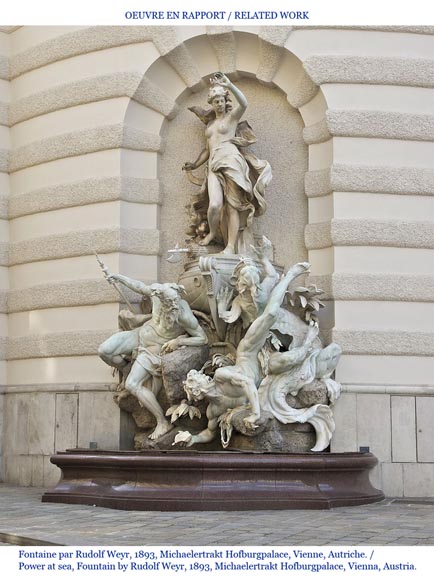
x=395, y=523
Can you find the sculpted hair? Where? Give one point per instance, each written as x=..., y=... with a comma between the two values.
x=218, y=91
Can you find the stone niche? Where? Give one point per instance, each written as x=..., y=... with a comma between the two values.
x=279, y=130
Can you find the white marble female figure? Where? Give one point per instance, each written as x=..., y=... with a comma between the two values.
x=234, y=195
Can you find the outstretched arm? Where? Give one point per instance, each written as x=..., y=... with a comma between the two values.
x=256, y=335
x=264, y=252
x=237, y=112
x=203, y=157
x=135, y=285
x=186, y=439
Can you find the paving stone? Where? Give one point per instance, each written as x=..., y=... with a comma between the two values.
x=386, y=523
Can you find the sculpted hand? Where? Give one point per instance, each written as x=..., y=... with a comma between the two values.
x=224, y=298
x=301, y=268
x=170, y=346
x=112, y=277
x=264, y=250
x=313, y=330
x=188, y=166
x=184, y=439
x=220, y=79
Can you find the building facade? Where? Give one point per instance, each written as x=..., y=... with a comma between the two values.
x=94, y=129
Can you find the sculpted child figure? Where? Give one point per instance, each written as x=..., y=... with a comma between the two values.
x=233, y=198
x=171, y=326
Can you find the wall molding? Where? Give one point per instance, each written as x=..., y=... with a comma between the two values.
x=67, y=294
x=331, y=68
x=369, y=232
x=56, y=344
x=131, y=84
x=376, y=124
x=410, y=390
x=144, y=242
x=83, y=142
x=76, y=43
x=388, y=342
x=84, y=192
x=57, y=388
x=388, y=287
x=369, y=179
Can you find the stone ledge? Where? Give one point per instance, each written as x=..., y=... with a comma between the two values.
x=369, y=232
x=66, y=294
x=397, y=28
x=369, y=179
x=56, y=388
x=97, y=88
x=121, y=84
x=388, y=287
x=84, y=192
x=377, y=342
x=78, y=343
x=85, y=242
x=81, y=143
x=76, y=43
x=410, y=390
x=414, y=72
x=376, y=124
x=9, y=29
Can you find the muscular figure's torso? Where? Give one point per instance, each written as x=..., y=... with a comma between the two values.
x=156, y=332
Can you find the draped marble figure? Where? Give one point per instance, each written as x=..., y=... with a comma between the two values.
x=235, y=181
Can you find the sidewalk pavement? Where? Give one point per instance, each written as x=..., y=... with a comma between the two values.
x=25, y=520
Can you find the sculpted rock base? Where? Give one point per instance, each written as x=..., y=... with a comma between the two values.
x=175, y=367
x=275, y=437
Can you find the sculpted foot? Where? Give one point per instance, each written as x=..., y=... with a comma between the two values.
x=206, y=240
x=161, y=429
x=229, y=250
